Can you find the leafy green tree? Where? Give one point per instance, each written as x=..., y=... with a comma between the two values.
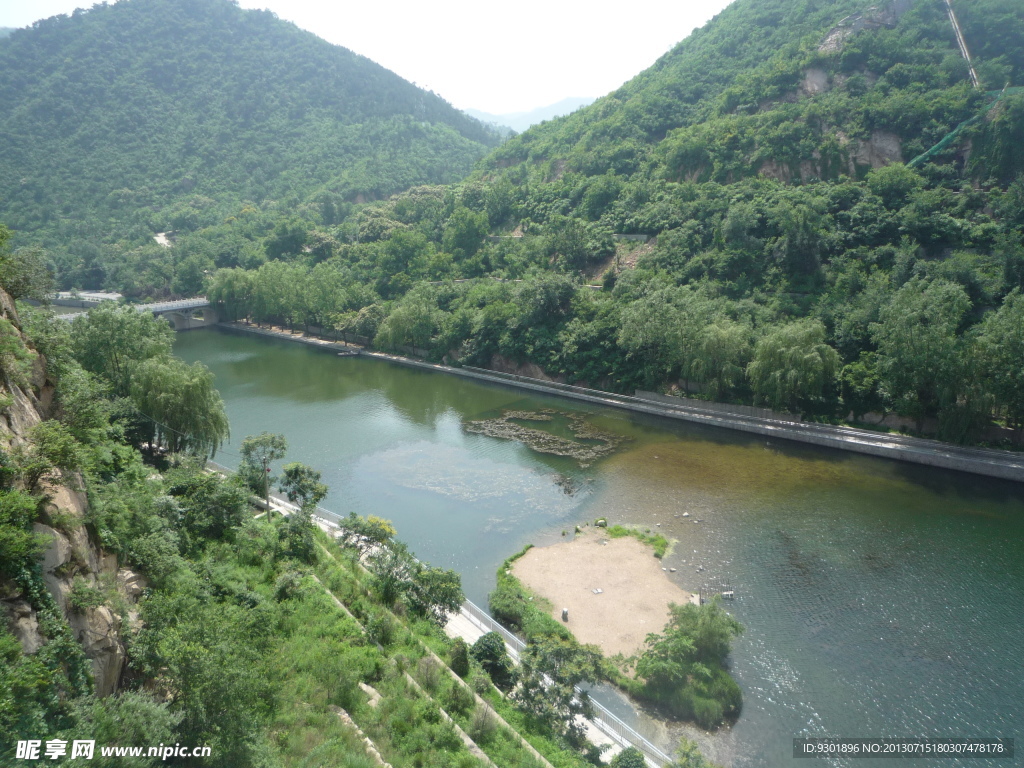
x=302, y=486
x=298, y=537
x=894, y=183
x=550, y=669
x=720, y=356
x=393, y=568
x=19, y=546
x=630, y=757
x=24, y=274
x=464, y=233
x=132, y=717
x=861, y=386
x=52, y=455
x=435, y=593
x=688, y=755
x=111, y=341
x=366, y=533
x=919, y=348
x=490, y=652
x=1000, y=347
x=16, y=359
x=258, y=453
x=185, y=411
x=683, y=667
x=458, y=657
x=211, y=506
x=232, y=289
x=793, y=367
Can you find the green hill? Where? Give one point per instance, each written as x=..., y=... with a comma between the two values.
x=792, y=90
x=825, y=216
x=148, y=115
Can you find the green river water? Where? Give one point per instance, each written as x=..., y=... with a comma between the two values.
x=879, y=598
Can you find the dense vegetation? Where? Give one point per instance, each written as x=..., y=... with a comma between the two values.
x=793, y=260
x=255, y=635
x=155, y=115
x=682, y=670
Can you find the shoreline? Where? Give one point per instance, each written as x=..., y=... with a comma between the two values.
x=916, y=450
x=615, y=590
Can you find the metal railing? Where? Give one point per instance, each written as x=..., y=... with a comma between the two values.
x=604, y=718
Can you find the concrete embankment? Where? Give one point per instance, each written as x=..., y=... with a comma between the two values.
x=991, y=463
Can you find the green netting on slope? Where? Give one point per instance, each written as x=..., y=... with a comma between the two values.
x=951, y=137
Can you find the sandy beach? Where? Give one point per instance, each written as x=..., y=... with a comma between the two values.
x=634, y=591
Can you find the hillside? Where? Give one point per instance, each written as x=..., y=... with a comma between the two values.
x=803, y=205
x=151, y=115
x=794, y=90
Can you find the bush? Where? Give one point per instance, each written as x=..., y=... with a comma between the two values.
x=630, y=757
x=382, y=628
x=83, y=596
x=484, y=726
x=459, y=700
x=490, y=651
x=458, y=656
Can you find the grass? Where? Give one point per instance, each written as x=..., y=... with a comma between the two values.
x=656, y=541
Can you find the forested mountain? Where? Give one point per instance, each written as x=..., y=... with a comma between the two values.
x=806, y=186
x=824, y=214
x=793, y=90
x=149, y=115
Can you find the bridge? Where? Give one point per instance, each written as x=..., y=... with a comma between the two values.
x=183, y=315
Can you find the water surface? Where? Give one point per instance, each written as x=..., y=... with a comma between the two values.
x=879, y=598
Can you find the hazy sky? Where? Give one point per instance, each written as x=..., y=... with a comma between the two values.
x=496, y=57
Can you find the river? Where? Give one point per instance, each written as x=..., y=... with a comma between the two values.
x=879, y=598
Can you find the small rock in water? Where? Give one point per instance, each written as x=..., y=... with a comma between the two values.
x=672, y=570
x=686, y=514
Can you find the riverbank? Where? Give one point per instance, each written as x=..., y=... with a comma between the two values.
x=615, y=590
x=990, y=463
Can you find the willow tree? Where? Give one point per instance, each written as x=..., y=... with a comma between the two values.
x=793, y=367
x=920, y=359
x=1001, y=350
x=185, y=411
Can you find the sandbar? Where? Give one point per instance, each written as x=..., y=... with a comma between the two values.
x=635, y=591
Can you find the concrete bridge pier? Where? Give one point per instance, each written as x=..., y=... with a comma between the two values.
x=188, y=319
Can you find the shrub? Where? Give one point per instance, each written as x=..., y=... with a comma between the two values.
x=484, y=726
x=459, y=700
x=83, y=596
x=630, y=757
x=382, y=628
x=458, y=656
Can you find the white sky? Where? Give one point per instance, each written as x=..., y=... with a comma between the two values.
x=495, y=57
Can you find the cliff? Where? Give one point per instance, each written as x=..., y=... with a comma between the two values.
x=72, y=560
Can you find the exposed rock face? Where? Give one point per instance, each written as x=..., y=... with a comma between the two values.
x=21, y=620
x=815, y=81
x=70, y=554
x=881, y=149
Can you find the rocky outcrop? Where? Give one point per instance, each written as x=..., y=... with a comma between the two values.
x=71, y=554
x=70, y=557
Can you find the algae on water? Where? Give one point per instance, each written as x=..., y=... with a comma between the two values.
x=505, y=427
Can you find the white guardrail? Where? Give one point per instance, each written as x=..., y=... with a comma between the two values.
x=604, y=718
